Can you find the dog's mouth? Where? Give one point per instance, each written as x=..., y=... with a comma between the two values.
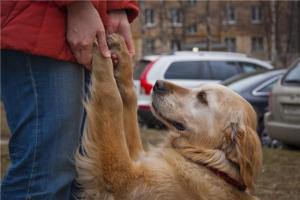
x=177, y=125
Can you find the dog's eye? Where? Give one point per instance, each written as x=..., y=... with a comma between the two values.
x=202, y=97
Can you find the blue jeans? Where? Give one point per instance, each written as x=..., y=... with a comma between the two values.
x=43, y=102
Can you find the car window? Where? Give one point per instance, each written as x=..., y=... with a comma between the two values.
x=243, y=83
x=139, y=68
x=267, y=88
x=293, y=76
x=249, y=67
x=187, y=70
x=222, y=70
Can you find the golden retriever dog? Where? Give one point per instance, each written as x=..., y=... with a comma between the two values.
x=211, y=153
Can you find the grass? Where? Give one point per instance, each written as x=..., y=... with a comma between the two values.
x=280, y=178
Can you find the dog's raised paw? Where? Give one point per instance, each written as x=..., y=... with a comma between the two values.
x=116, y=42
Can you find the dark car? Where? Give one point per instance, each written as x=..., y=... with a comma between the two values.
x=255, y=88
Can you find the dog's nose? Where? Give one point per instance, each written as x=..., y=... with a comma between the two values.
x=159, y=87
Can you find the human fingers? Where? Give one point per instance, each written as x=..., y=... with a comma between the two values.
x=81, y=51
x=75, y=48
x=126, y=33
x=101, y=38
x=86, y=54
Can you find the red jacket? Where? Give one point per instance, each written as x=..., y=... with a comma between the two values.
x=39, y=27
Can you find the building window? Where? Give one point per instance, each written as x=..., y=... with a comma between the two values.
x=175, y=45
x=230, y=14
x=150, y=46
x=176, y=17
x=192, y=2
x=192, y=29
x=257, y=44
x=230, y=44
x=256, y=14
x=149, y=17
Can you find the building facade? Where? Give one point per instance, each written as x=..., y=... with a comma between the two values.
x=235, y=26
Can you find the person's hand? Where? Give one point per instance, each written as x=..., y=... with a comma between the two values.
x=84, y=25
x=118, y=23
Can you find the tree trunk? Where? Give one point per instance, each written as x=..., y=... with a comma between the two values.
x=273, y=34
x=208, y=23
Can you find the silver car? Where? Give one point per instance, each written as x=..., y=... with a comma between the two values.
x=188, y=69
x=283, y=120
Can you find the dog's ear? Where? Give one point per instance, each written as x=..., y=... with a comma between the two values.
x=244, y=148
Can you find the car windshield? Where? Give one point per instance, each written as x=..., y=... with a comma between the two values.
x=241, y=84
x=293, y=76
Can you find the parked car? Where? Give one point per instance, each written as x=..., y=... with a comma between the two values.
x=190, y=69
x=140, y=67
x=143, y=100
x=255, y=87
x=282, y=122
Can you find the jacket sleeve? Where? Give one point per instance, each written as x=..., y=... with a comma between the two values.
x=63, y=3
x=131, y=8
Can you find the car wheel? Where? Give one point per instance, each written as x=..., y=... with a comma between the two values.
x=267, y=141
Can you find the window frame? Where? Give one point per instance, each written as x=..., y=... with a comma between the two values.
x=255, y=45
x=194, y=29
x=178, y=45
x=230, y=10
x=150, y=48
x=150, y=22
x=227, y=46
x=192, y=2
x=256, y=91
x=293, y=67
x=256, y=14
x=177, y=20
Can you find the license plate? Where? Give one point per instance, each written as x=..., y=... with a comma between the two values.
x=292, y=110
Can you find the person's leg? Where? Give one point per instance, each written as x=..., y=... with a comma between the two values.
x=43, y=101
x=75, y=190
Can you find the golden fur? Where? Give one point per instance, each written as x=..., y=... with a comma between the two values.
x=218, y=131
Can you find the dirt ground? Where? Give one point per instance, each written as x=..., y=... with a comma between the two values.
x=280, y=178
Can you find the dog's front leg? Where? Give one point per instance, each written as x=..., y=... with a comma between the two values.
x=124, y=76
x=105, y=153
